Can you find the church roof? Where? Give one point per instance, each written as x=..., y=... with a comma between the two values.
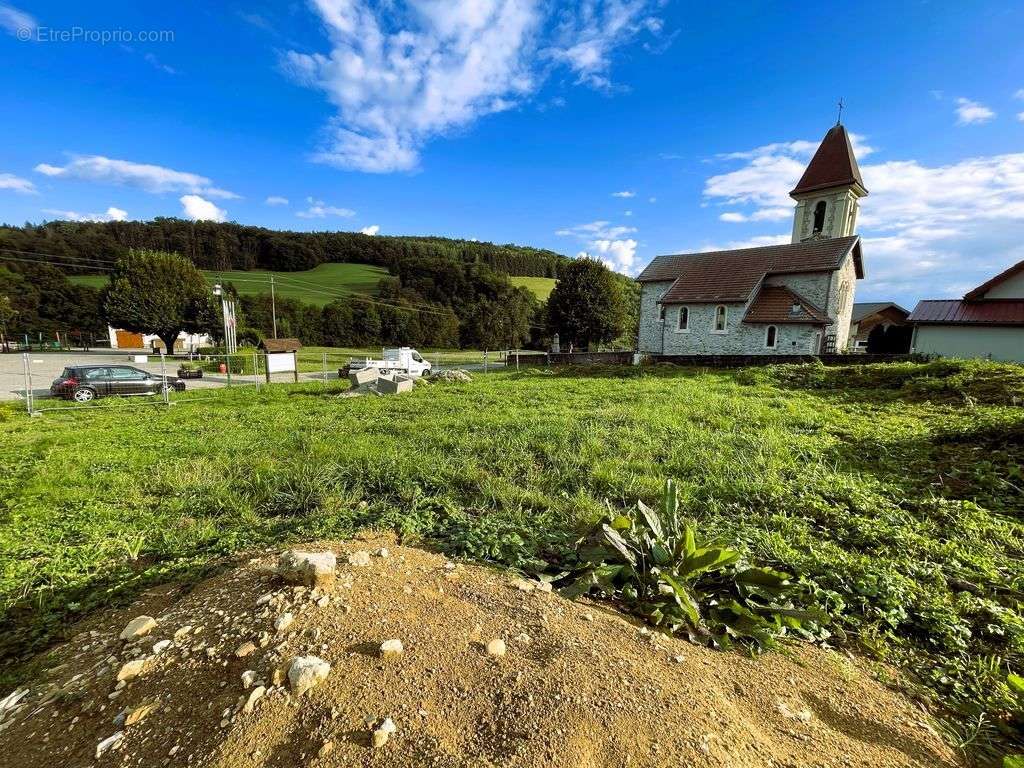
x=833, y=165
x=731, y=276
x=776, y=304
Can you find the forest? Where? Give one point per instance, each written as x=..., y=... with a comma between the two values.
x=440, y=292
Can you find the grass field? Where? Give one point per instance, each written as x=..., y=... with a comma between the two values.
x=902, y=517
x=321, y=285
x=540, y=286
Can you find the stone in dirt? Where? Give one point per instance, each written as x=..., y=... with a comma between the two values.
x=382, y=733
x=244, y=649
x=131, y=670
x=108, y=743
x=496, y=648
x=248, y=678
x=391, y=649
x=284, y=621
x=256, y=695
x=360, y=558
x=313, y=569
x=161, y=646
x=305, y=672
x=141, y=712
x=138, y=627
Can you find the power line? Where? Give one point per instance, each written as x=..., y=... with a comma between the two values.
x=57, y=264
x=63, y=258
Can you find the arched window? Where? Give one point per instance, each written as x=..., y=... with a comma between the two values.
x=844, y=297
x=819, y=216
x=661, y=312
x=720, y=318
x=771, y=336
x=684, y=318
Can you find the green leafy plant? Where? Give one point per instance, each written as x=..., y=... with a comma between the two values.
x=652, y=563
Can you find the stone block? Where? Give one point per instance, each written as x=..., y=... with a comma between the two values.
x=395, y=386
x=365, y=376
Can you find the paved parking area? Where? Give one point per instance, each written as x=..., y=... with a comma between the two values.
x=47, y=366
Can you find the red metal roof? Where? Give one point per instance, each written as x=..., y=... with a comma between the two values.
x=833, y=165
x=733, y=275
x=956, y=312
x=981, y=290
x=775, y=303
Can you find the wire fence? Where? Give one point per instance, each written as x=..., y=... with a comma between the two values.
x=82, y=381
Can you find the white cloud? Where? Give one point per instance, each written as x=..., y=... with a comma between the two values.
x=407, y=73
x=112, y=214
x=626, y=194
x=371, y=230
x=17, y=184
x=627, y=213
x=750, y=242
x=606, y=242
x=15, y=21
x=652, y=199
x=1020, y=116
x=969, y=112
x=1019, y=94
x=318, y=209
x=927, y=230
x=198, y=209
x=276, y=200
x=150, y=178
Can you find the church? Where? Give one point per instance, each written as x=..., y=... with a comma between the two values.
x=792, y=299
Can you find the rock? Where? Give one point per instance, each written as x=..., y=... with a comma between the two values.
x=305, y=672
x=382, y=733
x=141, y=712
x=131, y=670
x=326, y=749
x=524, y=585
x=391, y=649
x=383, y=552
x=456, y=375
x=679, y=659
x=313, y=569
x=360, y=558
x=256, y=695
x=264, y=599
x=244, y=649
x=323, y=602
x=161, y=646
x=248, y=678
x=182, y=631
x=284, y=621
x=138, y=627
x=496, y=648
x=108, y=743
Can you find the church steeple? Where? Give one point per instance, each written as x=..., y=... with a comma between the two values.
x=828, y=192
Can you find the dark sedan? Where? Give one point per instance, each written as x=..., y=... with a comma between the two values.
x=83, y=383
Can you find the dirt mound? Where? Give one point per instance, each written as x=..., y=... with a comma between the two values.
x=577, y=684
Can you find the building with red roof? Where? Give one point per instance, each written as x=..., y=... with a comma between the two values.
x=987, y=322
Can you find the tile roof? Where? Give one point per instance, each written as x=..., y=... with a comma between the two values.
x=774, y=304
x=955, y=312
x=863, y=309
x=833, y=165
x=985, y=287
x=733, y=275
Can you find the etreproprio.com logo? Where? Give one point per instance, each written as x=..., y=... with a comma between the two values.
x=93, y=36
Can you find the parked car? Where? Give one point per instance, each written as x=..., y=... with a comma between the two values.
x=83, y=383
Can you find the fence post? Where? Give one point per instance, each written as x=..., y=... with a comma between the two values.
x=163, y=380
x=485, y=361
x=325, y=369
x=227, y=366
x=28, y=382
x=255, y=370
x=517, y=361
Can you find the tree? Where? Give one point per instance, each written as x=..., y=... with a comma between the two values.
x=587, y=305
x=159, y=292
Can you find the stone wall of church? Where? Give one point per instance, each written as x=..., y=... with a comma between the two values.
x=650, y=326
x=840, y=302
x=739, y=338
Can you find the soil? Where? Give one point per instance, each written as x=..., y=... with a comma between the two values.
x=580, y=685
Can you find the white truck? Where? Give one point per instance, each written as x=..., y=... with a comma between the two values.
x=401, y=360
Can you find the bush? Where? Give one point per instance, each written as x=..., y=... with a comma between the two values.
x=979, y=381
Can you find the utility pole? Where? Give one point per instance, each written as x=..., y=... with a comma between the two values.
x=273, y=305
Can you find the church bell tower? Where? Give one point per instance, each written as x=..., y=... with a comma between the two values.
x=828, y=194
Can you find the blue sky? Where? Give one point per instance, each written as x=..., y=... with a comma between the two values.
x=620, y=128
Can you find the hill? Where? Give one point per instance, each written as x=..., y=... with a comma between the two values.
x=318, y=286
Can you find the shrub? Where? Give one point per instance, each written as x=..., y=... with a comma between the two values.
x=653, y=565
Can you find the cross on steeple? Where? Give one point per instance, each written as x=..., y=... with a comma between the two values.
x=839, y=118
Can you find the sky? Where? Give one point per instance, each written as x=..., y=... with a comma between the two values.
x=623, y=129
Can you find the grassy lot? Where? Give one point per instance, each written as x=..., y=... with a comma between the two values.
x=901, y=505
x=320, y=285
x=540, y=286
